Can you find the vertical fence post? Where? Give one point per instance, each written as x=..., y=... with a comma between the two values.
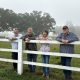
x=20, y=59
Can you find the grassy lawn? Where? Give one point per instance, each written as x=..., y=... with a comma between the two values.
x=7, y=72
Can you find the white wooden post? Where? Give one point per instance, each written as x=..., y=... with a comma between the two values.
x=20, y=59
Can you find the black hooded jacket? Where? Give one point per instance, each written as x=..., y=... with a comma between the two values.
x=30, y=46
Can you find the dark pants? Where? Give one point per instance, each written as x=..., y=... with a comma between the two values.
x=32, y=58
x=15, y=57
x=45, y=59
x=66, y=61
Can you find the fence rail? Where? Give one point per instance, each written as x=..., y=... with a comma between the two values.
x=20, y=50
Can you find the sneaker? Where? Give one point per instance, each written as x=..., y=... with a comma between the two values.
x=69, y=78
x=43, y=75
x=47, y=77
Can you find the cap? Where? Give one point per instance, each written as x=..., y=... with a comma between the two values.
x=65, y=27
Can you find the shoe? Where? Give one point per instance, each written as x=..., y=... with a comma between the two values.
x=47, y=77
x=43, y=75
x=68, y=78
x=15, y=69
x=32, y=71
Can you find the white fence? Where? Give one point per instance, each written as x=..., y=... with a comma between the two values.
x=20, y=61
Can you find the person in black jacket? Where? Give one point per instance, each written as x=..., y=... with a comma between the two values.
x=30, y=46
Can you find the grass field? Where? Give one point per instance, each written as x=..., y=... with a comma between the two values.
x=7, y=72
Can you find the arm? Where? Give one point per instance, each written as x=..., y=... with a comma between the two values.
x=11, y=37
x=20, y=36
x=73, y=38
x=24, y=37
x=59, y=37
x=16, y=38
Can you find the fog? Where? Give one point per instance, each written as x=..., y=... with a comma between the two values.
x=74, y=29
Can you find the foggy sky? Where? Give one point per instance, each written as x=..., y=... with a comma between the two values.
x=61, y=10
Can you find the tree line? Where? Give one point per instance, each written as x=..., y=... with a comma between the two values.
x=38, y=20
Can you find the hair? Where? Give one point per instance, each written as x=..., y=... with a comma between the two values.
x=30, y=28
x=15, y=29
x=65, y=27
x=46, y=32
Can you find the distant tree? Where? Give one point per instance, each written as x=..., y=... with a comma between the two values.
x=8, y=18
x=37, y=20
x=41, y=21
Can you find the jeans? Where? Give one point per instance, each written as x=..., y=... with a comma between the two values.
x=45, y=59
x=66, y=61
x=32, y=58
x=15, y=57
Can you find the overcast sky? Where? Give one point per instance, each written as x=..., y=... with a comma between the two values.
x=61, y=10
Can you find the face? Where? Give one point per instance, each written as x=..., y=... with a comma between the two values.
x=45, y=34
x=29, y=31
x=65, y=31
x=16, y=31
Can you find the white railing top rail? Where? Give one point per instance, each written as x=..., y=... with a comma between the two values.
x=42, y=41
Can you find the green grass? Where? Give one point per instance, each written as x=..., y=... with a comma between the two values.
x=7, y=72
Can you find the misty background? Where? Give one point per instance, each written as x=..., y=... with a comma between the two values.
x=64, y=12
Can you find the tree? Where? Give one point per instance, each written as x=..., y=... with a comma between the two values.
x=37, y=20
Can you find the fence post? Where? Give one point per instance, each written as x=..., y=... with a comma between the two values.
x=20, y=59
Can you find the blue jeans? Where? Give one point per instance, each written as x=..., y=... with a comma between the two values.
x=66, y=61
x=32, y=58
x=45, y=59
